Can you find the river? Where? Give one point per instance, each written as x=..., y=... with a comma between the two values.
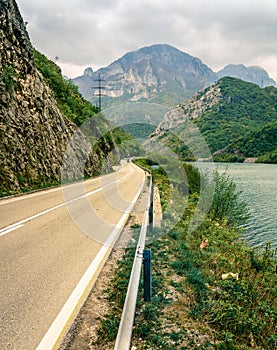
x=258, y=183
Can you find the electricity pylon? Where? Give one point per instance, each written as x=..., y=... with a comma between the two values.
x=100, y=88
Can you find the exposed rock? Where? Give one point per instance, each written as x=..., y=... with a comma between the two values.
x=34, y=134
x=191, y=109
x=158, y=73
x=230, y=120
x=89, y=72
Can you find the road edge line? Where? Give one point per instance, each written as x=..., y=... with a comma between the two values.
x=53, y=337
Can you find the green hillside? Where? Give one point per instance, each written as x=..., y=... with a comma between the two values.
x=70, y=102
x=237, y=119
x=244, y=121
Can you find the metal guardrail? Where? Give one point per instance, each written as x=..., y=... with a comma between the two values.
x=123, y=339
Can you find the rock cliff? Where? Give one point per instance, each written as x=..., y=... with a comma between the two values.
x=157, y=73
x=34, y=133
x=160, y=74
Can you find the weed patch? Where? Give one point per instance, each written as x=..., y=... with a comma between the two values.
x=221, y=297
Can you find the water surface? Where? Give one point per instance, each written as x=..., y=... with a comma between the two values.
x=258, y=183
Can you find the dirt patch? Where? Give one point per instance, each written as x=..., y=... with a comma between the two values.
x=83, y=333
x=158, y=214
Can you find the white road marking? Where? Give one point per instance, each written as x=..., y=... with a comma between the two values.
x=58, y=328
x=20, y=223
x=10, y=229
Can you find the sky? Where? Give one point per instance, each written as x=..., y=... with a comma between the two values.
x=94, y=33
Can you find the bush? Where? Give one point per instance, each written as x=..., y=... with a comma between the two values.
x=8, y=77
x=227, y=203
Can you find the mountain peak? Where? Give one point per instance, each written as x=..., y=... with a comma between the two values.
x=88, y=72
x=158, y=48
x=161, y=73
x=158, y=73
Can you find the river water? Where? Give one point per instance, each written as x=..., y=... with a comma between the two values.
x=258, y=183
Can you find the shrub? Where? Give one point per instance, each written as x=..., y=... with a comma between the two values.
x=227, y=203
x=8, y=77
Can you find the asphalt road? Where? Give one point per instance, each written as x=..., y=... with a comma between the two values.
x=47, y=245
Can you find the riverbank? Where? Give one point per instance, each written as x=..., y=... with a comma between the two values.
x=258, y=186
x=222, y=296
x=210, y=289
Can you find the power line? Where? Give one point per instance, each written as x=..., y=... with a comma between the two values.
x=99, y=88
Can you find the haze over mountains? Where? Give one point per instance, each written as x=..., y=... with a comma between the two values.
x=160, y=74
x=252, y=74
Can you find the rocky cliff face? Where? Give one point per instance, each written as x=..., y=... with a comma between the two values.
x=191, y=109
x=158, y=73
x=34, y=134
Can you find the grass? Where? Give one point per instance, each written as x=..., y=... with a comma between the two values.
x=193, y=307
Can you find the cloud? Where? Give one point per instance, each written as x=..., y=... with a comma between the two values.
x=95, y=33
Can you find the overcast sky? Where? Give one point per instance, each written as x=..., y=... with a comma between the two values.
x=94, y=33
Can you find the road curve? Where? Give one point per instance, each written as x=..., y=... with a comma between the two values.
x=48, y=241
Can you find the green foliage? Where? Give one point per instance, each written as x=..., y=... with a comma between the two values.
x=242, y=312
x=232, y=307
x=8, y=77
x=227, y=204
x=241, y=124
x=260, y=141
x=109, y=328
x=244, y=121
x=149, y=311
x=192, y=305
x=69, y=100
x=166, y=170
x=139, y=130
x=270, y=157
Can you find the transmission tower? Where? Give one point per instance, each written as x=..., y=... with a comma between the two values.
x=99, y=87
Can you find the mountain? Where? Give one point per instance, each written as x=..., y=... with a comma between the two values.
x=157, y=74
x=229, y=121
x=157, y=78
x=39, y=114
x=252, y=74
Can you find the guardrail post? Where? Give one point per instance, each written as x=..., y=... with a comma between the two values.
x=147, y=275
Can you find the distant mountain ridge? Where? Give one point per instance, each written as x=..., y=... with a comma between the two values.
x=160, y=74
x=252, y=74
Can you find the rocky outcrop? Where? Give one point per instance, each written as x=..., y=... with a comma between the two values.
x=158, y=73
x=191, y=109
x=34, y=133
x=234, y=118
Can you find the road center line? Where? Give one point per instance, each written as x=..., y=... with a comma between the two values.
x=20, y=223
